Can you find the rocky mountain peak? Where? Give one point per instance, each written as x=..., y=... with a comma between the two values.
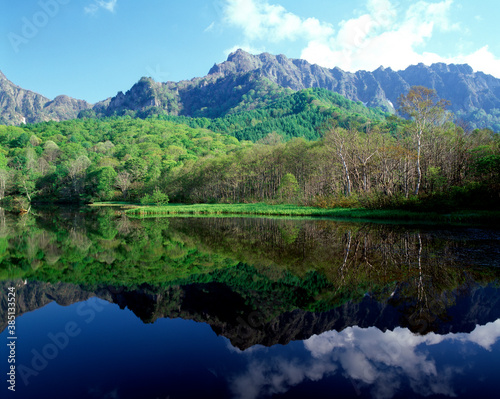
x=238, y=55
x=238, y=61
x=457, y=83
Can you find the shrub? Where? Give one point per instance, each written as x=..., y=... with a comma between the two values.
x=158, y=198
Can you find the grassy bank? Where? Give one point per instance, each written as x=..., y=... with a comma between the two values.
x=116, y=204
x=294, y=210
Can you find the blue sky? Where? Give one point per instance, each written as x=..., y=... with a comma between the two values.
x=90, y=49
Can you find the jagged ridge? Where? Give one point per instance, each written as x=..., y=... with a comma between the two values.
x=469, y=91
x=247, y=81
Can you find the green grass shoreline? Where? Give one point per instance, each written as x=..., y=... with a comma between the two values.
x=261, y=209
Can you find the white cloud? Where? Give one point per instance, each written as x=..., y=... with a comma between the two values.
x=482, y=60
x=380, y=38
x=261, y=20
x=109, y=5
x=210, y=27
x=484, y=336
x=385, y=34
x=275, y=376
x=383, y=12
x=364, y=353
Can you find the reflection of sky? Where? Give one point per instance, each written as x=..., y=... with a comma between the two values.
x=385, y=362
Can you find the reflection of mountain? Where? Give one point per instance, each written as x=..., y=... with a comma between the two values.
x=34, y=295
x=227, y=313
x=229, y=316
x=257, y=280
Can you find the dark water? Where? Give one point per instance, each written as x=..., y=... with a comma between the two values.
x=112, y=307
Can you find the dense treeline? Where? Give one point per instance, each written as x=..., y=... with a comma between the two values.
x=347, y=167
x=97, y=248
x=375, y=164
x=360, y=156
x=94, y=159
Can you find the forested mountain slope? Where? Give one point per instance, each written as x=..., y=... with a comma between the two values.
x=306, y=113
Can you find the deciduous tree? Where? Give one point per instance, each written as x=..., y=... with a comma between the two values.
x=426, y=110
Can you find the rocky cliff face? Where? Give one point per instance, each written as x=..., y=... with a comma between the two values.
x=209, y=96
x=474, y=96
x=23, y=106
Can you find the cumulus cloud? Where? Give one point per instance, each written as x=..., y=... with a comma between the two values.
x=385, y=34
x=109, y=5
x=261, y=20
x=382, y=360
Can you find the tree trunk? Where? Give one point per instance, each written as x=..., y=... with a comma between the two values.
x=2, y=187
x=419, y=170
x=348, y=179
x=27, y=192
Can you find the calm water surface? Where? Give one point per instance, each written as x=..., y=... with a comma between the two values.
x=113, y=307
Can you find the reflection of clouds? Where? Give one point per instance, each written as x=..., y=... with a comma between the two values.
x=384, y=361
x=274, y=376
x=98, y=393
x=485, y=336
x=247, y=351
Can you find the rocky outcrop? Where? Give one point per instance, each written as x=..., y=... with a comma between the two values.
x=18, y=105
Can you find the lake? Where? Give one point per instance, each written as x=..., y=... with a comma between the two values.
x=109, y=306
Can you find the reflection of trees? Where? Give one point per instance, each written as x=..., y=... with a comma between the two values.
x=124, y=225
x=79, y=239
x=99, y=247
x=417, y=270
x=314, y=264
x=3, y=224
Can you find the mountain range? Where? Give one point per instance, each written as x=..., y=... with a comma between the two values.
x=245, y=82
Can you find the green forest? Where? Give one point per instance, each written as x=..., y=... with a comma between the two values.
x=311, y=147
